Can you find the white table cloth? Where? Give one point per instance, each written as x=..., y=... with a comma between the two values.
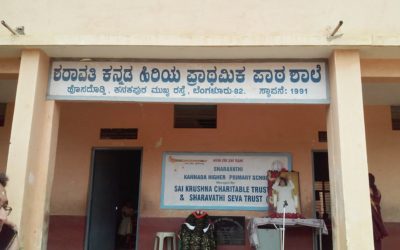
x=254, y=223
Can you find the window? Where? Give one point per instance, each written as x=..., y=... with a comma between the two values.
x=322, y=136
x=322, y=199
x=118, y=133
x=395, y=117
x=195, y=116
x=2, y=114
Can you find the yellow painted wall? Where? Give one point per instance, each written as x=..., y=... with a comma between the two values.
x=180, y=22
x=5, y=137
x=383, y=146
x=260, y=128
x=241, y=128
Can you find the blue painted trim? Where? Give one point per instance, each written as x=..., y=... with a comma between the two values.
x=327, y=86
x=163, y=180
x=162, y=206
x=216, y=208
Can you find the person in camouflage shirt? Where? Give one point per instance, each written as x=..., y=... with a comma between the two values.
x=197, y=233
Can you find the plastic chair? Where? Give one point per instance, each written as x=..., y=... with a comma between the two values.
x=159, y=241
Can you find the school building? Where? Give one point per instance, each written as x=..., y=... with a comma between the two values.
x=97, y=99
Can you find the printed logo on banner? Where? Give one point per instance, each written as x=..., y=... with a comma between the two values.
x=224, y=181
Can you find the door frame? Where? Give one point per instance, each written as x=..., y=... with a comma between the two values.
x=315, y=243
x=313, y=176
x=90, y=188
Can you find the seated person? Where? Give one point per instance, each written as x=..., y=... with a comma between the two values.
x=8, y=234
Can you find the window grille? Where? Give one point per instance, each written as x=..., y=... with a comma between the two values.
x=395, y=110
x=3, y=107
x=118, y=133
x=195, y=116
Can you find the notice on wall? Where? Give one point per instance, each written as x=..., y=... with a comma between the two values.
x=218, y=181
x=229, y=230
x=219, y=82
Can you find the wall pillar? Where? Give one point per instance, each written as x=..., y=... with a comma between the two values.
x=348, y=169
x=31, y=157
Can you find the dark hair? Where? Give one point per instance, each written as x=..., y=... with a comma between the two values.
x=284, y=180
x=372, y=182
x=3, y=179
x=371, y=179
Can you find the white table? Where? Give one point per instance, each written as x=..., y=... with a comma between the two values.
x=254, y=223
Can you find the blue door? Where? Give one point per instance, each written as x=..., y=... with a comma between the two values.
x=115, y=180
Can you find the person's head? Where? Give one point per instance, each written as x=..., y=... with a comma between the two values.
x=282, y=181
x=4, y=208
x=129, y=204
x=371, y=180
